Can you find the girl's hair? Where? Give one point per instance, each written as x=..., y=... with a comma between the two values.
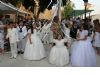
x=60, y=33
x=85, y=27
x=56, y=19
x=11, y=23
x=31, y=27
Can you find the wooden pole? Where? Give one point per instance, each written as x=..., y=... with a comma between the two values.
x=59, y=9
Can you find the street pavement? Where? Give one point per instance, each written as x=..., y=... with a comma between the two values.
x=5, y=61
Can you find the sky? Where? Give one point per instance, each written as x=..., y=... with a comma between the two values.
x=79, y=4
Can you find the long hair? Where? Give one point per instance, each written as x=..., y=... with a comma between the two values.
x=31, y=28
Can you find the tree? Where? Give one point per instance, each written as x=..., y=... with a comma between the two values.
x=44, y=3
x=68, y=9
x=31, y=4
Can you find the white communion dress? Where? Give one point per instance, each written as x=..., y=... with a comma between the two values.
x=97, y=39
x=59, y=54
x=34, y=51
x=83, y=54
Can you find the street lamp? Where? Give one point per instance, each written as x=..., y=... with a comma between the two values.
x=85, y=4
x=86, y=1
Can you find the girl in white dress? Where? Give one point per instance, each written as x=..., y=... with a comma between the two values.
x=83, y=54
x=59, y=54
x=96, y=38
x=34, y=49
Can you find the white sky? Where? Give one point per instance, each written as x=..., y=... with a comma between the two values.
x=79, y=4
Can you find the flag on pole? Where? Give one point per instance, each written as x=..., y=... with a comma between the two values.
x=89, y=5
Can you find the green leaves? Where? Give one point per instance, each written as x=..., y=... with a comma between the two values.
x=68, y=9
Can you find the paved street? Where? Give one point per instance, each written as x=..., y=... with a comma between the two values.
x=5, y=61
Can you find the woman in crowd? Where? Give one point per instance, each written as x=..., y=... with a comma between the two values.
x=2, y=37
x=73, y=30
x=1, y=41
x=96, y=39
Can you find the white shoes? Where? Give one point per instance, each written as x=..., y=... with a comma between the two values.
x=13, y=57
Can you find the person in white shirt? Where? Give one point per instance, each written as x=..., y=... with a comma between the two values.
x=22, y=31
x=12, y=34
x=2, y=37
x=1, y=42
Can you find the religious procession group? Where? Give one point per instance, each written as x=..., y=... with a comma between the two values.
x=71, y=40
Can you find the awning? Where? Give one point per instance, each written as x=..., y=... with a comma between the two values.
x=79, y=12
x=10, y=9
x=5, y=8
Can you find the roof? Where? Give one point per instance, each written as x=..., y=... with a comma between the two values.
x=79, y=12
x=5, y=8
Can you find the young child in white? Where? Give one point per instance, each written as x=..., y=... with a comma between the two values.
x=34, y=49
x=22, y=32
x=12, y=34
x=83, y=54
x=96, y=38
x=59, y=54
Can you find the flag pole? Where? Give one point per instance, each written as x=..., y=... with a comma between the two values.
x=59, y=9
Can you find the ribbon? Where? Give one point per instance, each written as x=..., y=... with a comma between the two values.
x=50, y=24
x=49, y=3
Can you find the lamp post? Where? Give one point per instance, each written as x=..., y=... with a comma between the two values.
x=85, y=4
x=36, y=9
x=58, y=9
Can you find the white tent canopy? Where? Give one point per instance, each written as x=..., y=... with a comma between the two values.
x=5, y=8
x=10, y=9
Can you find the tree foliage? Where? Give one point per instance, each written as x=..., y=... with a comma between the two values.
x=30, y=3
x=68, y=9
x=42, y=4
